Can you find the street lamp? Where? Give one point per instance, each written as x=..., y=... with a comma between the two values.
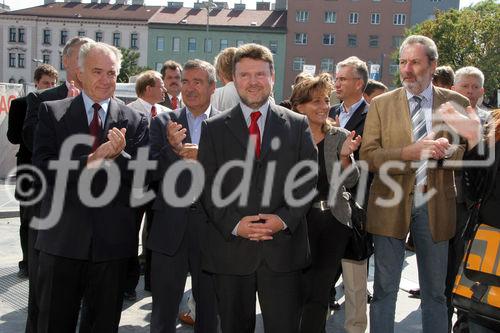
x=208, y=6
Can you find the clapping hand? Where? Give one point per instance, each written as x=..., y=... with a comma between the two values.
x=351, y=144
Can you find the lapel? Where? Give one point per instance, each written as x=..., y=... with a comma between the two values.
x=182, y=119
x=237, y=125
x=62, y=91
x=275, y=126
x=330, y=151
x=402, y=114
x=113, y=118
x=437, y=99
x=77, y=116
x=357, y=117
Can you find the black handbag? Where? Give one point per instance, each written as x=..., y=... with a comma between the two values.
x=360, y=246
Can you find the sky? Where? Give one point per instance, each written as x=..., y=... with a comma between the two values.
x=19, y=4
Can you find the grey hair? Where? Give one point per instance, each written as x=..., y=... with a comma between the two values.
x=430, y=47
x=469, y=71
x=358, y=65
x=203, y=65
x=75, y=41
x=106, y=48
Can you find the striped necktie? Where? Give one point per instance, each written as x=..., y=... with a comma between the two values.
x=419, y=132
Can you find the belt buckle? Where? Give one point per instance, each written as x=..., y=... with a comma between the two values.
x=323, y=205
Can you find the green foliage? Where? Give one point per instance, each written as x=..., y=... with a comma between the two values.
x=129, y=65
x=468, y=37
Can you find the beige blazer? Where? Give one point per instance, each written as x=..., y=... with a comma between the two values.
x=387, y=130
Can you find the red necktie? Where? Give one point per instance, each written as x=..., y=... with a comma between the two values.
x=254, y=131
x=153, y=111
x=95, y=126
x=174, y=102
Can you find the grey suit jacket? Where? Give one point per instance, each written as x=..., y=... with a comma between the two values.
x=339, y=203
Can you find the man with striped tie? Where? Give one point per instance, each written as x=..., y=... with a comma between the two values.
x=405, y=145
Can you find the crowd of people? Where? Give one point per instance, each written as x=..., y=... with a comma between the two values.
x=273, y=213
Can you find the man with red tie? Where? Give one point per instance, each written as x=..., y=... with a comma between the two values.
x=150, y=91
x=256, y=237
x=171, y=74
x=84, y=250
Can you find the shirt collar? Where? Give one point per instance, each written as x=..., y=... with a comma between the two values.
x=88, y=102
x=205, y=114
x=146, y=105
x=247, y=110
x=179, y=97
x=353, y=107
x=426, y=94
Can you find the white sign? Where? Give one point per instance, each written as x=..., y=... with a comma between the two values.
x=374, y=71
x=309, y=69
x=8, y=92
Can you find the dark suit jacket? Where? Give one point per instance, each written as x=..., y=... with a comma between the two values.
x=97, y=234
x=169, y=223
x=224, y=138
x=33, y=100
x=355, y=123
x=17, y=113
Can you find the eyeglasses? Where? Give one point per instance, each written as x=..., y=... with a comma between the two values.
x=344, y=79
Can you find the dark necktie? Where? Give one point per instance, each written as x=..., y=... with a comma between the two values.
x=95, y=126
x=174, y=102
x=254, y=131
x=419, y=132
x=153, y=111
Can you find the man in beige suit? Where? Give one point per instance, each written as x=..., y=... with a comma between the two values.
x=150, y=91
x=416, y=191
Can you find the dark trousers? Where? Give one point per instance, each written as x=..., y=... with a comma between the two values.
x=456, y=251
x=168, y=279
x=328, y=239
x=279, y=298
x=61, y=285
x=25, y=215
x=32, y=319
x=133, y=265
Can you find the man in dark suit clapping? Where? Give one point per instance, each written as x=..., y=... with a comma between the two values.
x=85, y=249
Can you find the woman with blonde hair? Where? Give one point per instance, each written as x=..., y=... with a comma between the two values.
x=329, y=219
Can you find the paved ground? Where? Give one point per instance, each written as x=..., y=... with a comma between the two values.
x=136, y=315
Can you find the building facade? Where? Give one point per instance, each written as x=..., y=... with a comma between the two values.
x=37, y=35
x=422, y=10
x=324, y=32
x=181, y=33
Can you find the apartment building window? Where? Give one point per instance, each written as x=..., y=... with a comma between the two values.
x=375, y=18
x=352, y=40
x=298, y=64
x=273, y=46
x=239, y=43
x=208, y=45
x=12, y=60
x=98, y=36
x=46, y=36
x=81, y=33
x=20, y=35
x=328, y=39
x=301, y=38
x=435, y=0
x=134, y=39
x=191, y=44
x=302, y=16
x=330, y=17
x=64, y=37
x=399, y=19
x=176, y=44
x=327, y=65
x=46, y=58
x=223, y=44
x=397, y=41
x=256, y=41
x=117, y=39
x=353, y=18
x=12, y=35
x=20, y=60
x=400, y=0
x=160, y=44
x=373, y=41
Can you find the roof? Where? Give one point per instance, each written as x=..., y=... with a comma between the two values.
x=100, y=11
x=221, y=17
